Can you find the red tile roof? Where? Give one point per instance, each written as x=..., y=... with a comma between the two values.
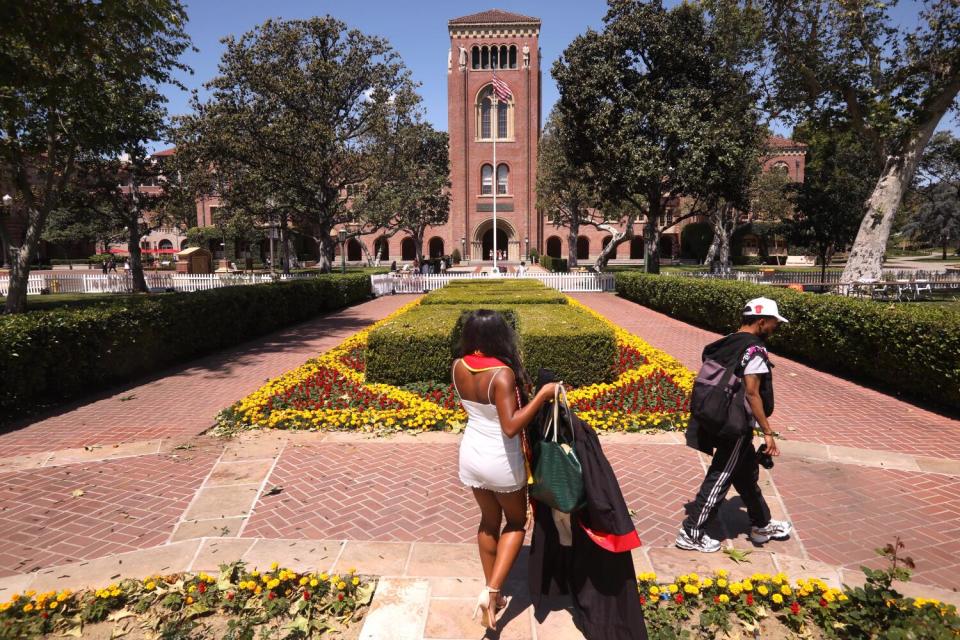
x=494, y=16
x=165, y=152
x=779, y=142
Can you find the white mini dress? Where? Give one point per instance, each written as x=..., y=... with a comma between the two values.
x=489, y=459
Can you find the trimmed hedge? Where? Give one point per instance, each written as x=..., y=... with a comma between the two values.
x=909, y=348
x=419, y=345
x=557, y=265
x=50, y=356
x=507, y=296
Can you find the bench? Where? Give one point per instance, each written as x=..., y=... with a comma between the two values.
x=801, y=261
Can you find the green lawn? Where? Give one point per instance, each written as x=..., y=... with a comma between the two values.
x=79, y=300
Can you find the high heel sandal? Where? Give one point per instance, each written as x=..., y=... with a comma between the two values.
x=489, y=614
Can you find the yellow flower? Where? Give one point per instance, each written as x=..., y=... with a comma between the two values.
x=273, y=584
x=674, y=588
x=341, y=586
x=722, y=583
x=355, y=581
x=829, y=597
x=189, y=599
x=314, y=582
x=762, y=590
x=724, y=598
x=53, y=605
x=304, y=580
x=785, y=590
x=842, y=598
x=28, y=608
x=273, y=566
x=747, y=585
x=777, y=598
x=654, y=590
x=691, y=589
x=324, y=577
x=255, y=573
x=722, y=573
x=706, y=583
x=151, y=585
x=192, y=588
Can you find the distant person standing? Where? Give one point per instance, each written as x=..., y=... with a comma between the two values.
x=393, y=266
x=103, y=266
x=735, y=461
x=522, y=269
x=111, y=265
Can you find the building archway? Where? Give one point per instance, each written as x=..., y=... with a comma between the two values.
x=583, y=248
x=354, y=250
x=183, y=244
x=381, y=248
x=554, y=247
x=507, y=240
x=636, y=248
x=436, y=247
x=607, y=241
x=666, y=247
x=165, y=244
x=408, y=250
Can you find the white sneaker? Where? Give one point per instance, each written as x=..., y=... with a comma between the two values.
x=775, y=530
x=705, y=544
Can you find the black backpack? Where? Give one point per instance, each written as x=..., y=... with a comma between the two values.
x=719, y=403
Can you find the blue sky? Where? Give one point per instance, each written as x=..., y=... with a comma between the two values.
x=417, y=30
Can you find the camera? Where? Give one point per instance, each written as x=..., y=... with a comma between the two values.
x=764, y=459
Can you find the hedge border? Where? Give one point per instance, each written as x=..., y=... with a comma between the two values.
x=56, y=355
x=907, y=349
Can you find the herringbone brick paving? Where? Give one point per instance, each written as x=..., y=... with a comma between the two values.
x=183, y=401
x=123, y=506
x=812, y=406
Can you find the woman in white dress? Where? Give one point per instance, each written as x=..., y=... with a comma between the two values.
x=490, y=380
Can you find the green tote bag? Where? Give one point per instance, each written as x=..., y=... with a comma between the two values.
x=557, y=475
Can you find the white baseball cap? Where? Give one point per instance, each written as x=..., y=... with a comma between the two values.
x=763, y=307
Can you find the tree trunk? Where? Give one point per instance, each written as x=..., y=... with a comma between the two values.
x=713, y=250
x=20, y=267
x=573, y=235
x=417, y=236
x=327, y=249
x=284, y=246
x=723, y=224
x=133, y=249
x=944, y=246
x=866, y=256
x=617, y=238
x=651, y=238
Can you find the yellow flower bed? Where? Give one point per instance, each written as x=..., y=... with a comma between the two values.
x=359, y=406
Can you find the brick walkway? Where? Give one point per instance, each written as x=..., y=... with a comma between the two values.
x=812, y=406
x=182, y=401
x=384, y=494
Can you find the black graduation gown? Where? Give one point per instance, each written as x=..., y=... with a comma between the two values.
x=602, y=582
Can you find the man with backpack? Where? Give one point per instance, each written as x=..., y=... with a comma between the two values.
x=733, y=395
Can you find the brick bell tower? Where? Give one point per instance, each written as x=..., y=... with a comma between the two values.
x=482, y=44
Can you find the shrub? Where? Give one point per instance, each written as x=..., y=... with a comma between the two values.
x=557, y=265
x=909, y=348
x=419, y=346
x=55, y=355
x=455, y=256
x=502, y=295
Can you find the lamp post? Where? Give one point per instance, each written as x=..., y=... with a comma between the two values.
x=4, y=245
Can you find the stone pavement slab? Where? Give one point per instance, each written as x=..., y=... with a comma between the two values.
x=183, y=400
x=812, y=406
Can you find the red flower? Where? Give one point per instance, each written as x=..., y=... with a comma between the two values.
x=202, y=587
x=230, y=595
x=306, y=595
x=643, y=600
x=823, y=602
x=678, y=598
x=45, y=615
x=340, y=597
x=271, y=595
x=750, y=599
x=795, y=608
x=716, y=599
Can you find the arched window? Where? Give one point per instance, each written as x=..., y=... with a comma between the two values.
x=607, y=241
x=554, y=247
x=485, y=58
x=475, y=57
x=503, y=178
x=354, y=250
x=636, y=248
x=165, y=244
x=780, y=167
x=382, y=248
x=583, y=248
x=486, y=180
x=183, y=244
x=513, y=56
x=504, y=116
x=408, y=250
x=494, y=57
x=436, y=247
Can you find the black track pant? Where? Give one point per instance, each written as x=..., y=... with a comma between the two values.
x=734, y=462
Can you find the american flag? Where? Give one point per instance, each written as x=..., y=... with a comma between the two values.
x=501, y=90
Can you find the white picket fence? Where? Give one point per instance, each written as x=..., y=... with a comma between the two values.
x=123, y=282
x=416, y=283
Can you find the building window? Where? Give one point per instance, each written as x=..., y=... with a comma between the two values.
x=513, y=56
x=485, y=58
x=493, y=57
x=475, y=58
x=780, y=167
x=485, y=102
x=486, y=180
x=503, y=176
